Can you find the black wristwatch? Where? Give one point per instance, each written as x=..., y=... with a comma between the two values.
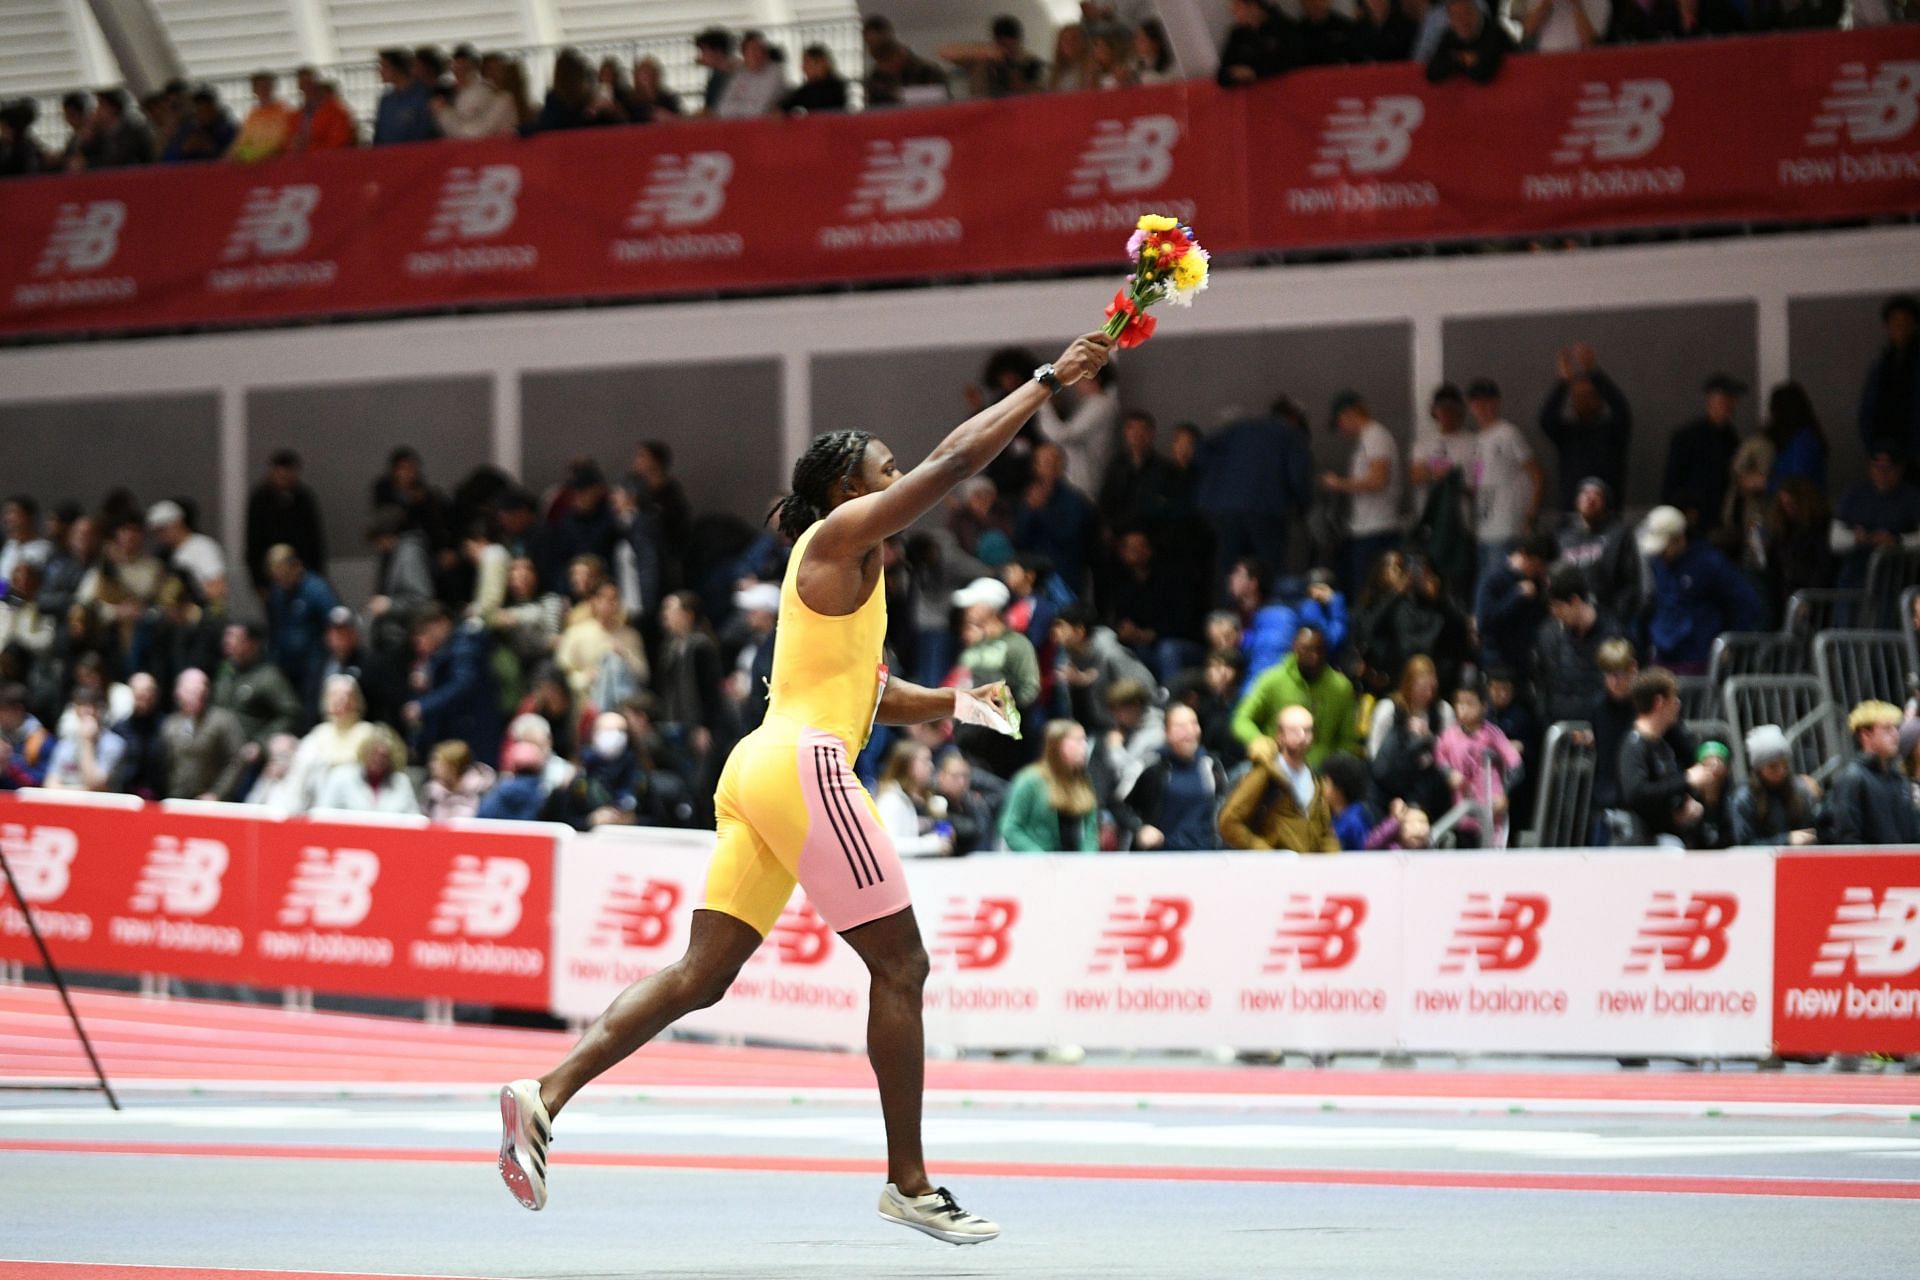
x=1046, y=375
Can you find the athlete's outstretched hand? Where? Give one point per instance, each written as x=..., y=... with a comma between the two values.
x=1083, y=358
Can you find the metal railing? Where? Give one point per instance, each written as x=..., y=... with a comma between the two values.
x=1563, y=807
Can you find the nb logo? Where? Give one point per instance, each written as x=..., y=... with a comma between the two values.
x=976, y=938
x=482, y=896
x=1687, y=935
x=683, y=191
x=274, y=222
x=1880, y=940
x=1880, y=107
x=181, y=878
x=637, y=914
x=476, y=203
x=1323, y=935
x=1142, y=936
x=1126, y=157
x=1616, y=124
x=800, y=936
x=902, y=178
x=1368, y=135
x=41, y=858
x=84, y=238
x=332, y=889
x=1503, y=936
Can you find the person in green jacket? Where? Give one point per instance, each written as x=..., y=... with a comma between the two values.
x=1303, y=679
x=1050, y=806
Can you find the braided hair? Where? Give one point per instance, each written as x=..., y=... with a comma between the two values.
x=830, y=459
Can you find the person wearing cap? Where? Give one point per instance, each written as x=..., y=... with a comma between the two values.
x=1589, y=422
x=1774, y=806
x=1697, y=593
x=1371, y=486
x=1700, y=456
x=1663, y=798
x=476, y=109
x=1716, y=823
x=759, y=607
x=1872, y=803
x=194, y=556
x=297, y=612
x=1880, y=512
x=991, y=653
x=1889, y=413
x=283, y=511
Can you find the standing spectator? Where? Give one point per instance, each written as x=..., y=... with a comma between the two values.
x=70, y=566
x=333, y=743
x=713, y=50
x=194, y=556
x=281, y=509
x=1619, y=668
x=1697, y=593
x=1589, y=422
x=1257, y=475
x=1795, y=537
x=25, y=744
x=1003, y=67
x=1050, y=806
x=1561, y=26
x=1170, y=806
x=143, y=765
x=587, y=527
x=1890, y=400
x=23, y=622
x=117, y=141
x=1883, y=511
x=492, y=566
x=1513, y=603
x=1147, y=607
x=476, y=109
x=268, y=128
x=1479, y=759
x=297, y=613
x=1372, y=484
x=1057, y=519
x=424, y=507
x=1279, y=803
x=1598, y=543
x=455, y=783
x=603, y=657
x=254, y=690
x=1445, y=445
x=1086, y=430
x=453, y=686
x=20, y=152
x=896, y=75
x=76, y=111
x=1774, y=807
x=405, y=113
x=1871, y=804
x=323, y=123
x=661, y=492
x=1133, y=489
x=203, y=743
x=693, y=704
x=1258, y=44
x=1303, y=680
x=1700, y=457
x=1473, y=45
x=1508, y=482
x=1799, y=443
x=380, y=683
x=375, y=783
x=756, y=86
x=205, y=132
x=1322, y=37
x=1566, y=653
x=1662, y=797
x=822, y=87
x=1091, y=662
x=509, y=76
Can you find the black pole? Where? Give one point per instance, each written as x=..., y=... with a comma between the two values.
x=46, y=957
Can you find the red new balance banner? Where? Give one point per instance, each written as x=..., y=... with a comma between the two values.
x=449, y=913
x=1847, y=953
x=1781, y=127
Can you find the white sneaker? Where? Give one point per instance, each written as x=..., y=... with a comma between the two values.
x=525, y=1133
x=937, y=1215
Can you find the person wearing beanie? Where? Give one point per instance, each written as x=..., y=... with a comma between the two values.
x=1872, y=803
x=1716, y=826
x=1775, y=806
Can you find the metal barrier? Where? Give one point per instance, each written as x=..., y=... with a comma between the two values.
x=1799, y=705
x=1563, y=807
x=1699, y=697
x=1892, y=573
x=1817, y=609
x=1758, y=653
x=1855, y=666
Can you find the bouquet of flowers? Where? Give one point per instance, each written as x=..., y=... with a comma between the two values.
x=1168, y=266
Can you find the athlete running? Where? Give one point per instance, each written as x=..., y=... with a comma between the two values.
x=789, y=807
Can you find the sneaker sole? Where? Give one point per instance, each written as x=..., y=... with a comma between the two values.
x=950, y=1237
x=511, y=1172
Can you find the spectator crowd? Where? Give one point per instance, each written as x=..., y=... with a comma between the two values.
x=587, y=654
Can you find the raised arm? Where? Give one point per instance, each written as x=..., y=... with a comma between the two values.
x=855, y=527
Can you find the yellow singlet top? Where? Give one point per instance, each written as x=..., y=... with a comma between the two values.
x=828, y=673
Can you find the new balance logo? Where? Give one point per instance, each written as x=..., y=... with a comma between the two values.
x=1142, y=936
x=41, y=858
x=1879, y=939
x=181, y=878
x=979, y=937
x=1616, y=124
x=1317, y=935
x=331, y=888
x=638, y=913
x=84, y=237
x=1876, y=106
x=1494, y=936
x=683, y=191
x=1687, y=934
x=481, y=898
x=274, y=222
x=902, y=178
x=800, y=936
x=1365, y=136
x=476, y=203
x=1126, y=157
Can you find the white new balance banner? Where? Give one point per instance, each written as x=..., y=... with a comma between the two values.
x=1615, y=953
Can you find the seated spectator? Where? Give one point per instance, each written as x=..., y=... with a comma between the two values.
x=1697, y=593
x=346, y=654
x=1700, y=457
x=87, y=757
x=1882, y=511
x=1479, y=760
x=20, y=152
x=1003, y=67
x=254, y=690
x=1661, y=795
x=1169, y=807
x=1417, y=699
x=1383, y=30
x=405, y=112
x=694, y=710
x=203, y=743
x=1598, y=543
x=963, y=802
x=1567, y=647
x=1473, y=45
x=475, y=109
x=194, y=556
x=277, y=787
x=20, y=518
x=752, y=677
x=268, y=128
x=1322, y=37
x=143, y=766
x=994, y=653
x=335, y=741
x=556, y=770
x=1871, y=803
x=1796, y=541
x=1050, y=806
x=1136, y=735
x=23, y=622
x=323, y=123
x=1147, y=607
x=603, y=657
x=1304, y=679
x=281, y=510
x=297, y=611
x=1716, y=824
x=1406, y=765
x=617, y=765
x=822, y=87
x=1258, y=44
x=1266, y=625
x=454, y=692
x=904, y=790
x=1673, y=20
x=896, y=76
x=1562, y=26
x=650, y=99
x=1056, y=519
x=1586, y=416
x=1346, y=783
x=519, y=794
x=757, y=85
x=1091, y=661
x=1279, y=803
x=1793, y=428
x=1214, y=695
x=376, y=783
x=456, y=783
x=205, y=132
x=26, y=748
x=1512, y=604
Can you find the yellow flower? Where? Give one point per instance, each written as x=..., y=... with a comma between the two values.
x=1191, y=271
x=1157, y=222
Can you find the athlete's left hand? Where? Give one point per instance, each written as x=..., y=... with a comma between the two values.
x=995, y=695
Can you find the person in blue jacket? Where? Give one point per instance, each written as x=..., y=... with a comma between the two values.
x=457, y=698
x=1697, y=594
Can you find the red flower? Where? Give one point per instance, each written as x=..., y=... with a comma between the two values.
x=1138, y=326
x=1173, y=246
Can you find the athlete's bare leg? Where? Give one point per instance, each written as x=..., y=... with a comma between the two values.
x=896, y=1046
x=719, y=944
